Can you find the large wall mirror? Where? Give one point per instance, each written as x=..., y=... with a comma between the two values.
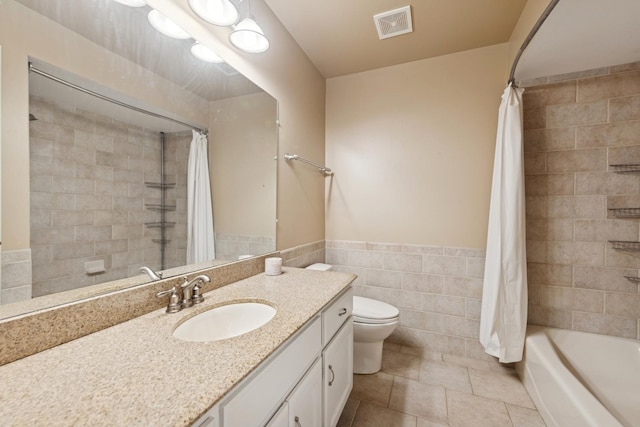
x=106, y=190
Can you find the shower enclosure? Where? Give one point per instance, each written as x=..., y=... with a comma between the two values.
x=106, y=198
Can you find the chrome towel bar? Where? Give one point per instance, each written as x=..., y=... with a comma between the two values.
x=322, y=169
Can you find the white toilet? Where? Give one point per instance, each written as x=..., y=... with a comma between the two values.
x=373, y=322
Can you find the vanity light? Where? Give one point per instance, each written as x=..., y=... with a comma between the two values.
x=166, y=26
x=249, y=37
x=132, y=3
x=202, y=52
x=216, y=12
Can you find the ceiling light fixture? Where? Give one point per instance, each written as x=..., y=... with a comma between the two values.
x=132, y=3
x=216, y=12
x=166, y=26
x=203, y=53
x=248, y=36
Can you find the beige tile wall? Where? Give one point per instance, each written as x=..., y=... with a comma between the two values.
x=437, y=290
x=16, y=276
x=576, y=125
x=232, y=246
x=176, y=166
x=88, y=197
x=304, y=255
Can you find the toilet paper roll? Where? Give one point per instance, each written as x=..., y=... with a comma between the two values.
x=273, y=266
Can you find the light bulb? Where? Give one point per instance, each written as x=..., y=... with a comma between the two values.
x=249, y=37
x=216, y=12
x=202, y=52
x=166, y=26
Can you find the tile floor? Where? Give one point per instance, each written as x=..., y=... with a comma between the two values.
x=417, y=388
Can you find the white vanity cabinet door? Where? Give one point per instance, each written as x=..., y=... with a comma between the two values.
x=281, y=418
x=337, y=360
x=305, y=401
x=263, y=393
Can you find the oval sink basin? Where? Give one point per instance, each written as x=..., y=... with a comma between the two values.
x=224, y=322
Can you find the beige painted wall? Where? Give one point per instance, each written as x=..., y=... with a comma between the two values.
x=412, y=150
x=242, y=147
x=55, y=45
x=288, y=75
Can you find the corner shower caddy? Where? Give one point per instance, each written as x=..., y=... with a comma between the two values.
x=628, y=213
x=162, y=207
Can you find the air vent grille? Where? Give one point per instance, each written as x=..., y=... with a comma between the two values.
x=394, y=22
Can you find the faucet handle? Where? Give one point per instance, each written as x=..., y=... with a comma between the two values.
x=196, y=296
x=174, y=302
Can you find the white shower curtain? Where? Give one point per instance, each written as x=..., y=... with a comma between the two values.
x=503, y=319
x=200, y=239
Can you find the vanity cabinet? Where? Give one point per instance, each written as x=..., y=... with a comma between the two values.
x=337, y=359
x=305, y=383
x=305, y=401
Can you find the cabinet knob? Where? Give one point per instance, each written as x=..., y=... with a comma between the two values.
x=342, y=312
x=333, y=375
x=297, y=420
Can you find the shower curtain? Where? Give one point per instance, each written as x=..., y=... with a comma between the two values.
x=200, y=239
x=503, y=319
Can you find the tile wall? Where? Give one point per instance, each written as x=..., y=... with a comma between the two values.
x=437, y=290
x=304, y=255
x=16, y=276
x=576, y=126
x=232, y=246
x=88, y=197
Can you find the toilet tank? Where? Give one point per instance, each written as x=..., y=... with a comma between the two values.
x=320, y=267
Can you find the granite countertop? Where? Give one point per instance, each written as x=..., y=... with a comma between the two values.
x=136, y=373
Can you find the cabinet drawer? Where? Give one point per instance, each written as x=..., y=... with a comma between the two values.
x=254, y=404
x=334, y=316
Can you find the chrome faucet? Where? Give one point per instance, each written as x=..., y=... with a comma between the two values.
x=152, y=274
x=191, y=290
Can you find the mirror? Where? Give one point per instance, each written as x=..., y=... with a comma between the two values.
x=99, y=209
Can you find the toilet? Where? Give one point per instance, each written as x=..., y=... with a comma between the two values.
x=373, y=322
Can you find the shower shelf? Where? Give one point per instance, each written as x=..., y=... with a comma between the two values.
x=625, y=212
x=630, y=168
x=632, y=279
x=163, y=242
x=160, y=184
x=160, y=207
x=625, y=246
x=159, y=224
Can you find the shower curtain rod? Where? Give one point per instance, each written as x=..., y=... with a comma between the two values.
x=113, y=101
x=532, y=34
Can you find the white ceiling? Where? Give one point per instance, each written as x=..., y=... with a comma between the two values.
x=125, y=31
x=583, y=35
x=340, y=36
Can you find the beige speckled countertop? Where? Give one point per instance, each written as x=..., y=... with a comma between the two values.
x=136, y=373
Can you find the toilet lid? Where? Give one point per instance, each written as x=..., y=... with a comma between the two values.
x=368, y=310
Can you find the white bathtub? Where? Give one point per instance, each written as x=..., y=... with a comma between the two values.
x=582, y=379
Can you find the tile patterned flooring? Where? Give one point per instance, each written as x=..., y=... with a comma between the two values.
x=417, y=388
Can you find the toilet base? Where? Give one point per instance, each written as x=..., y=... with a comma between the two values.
x=367, y=357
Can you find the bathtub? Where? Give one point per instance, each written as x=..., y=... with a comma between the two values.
x=582, y=379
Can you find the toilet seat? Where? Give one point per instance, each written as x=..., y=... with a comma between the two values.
x=370, y=311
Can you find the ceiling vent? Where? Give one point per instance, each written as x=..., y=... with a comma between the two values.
x=394, y=22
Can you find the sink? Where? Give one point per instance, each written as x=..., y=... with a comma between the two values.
x=224, y=322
